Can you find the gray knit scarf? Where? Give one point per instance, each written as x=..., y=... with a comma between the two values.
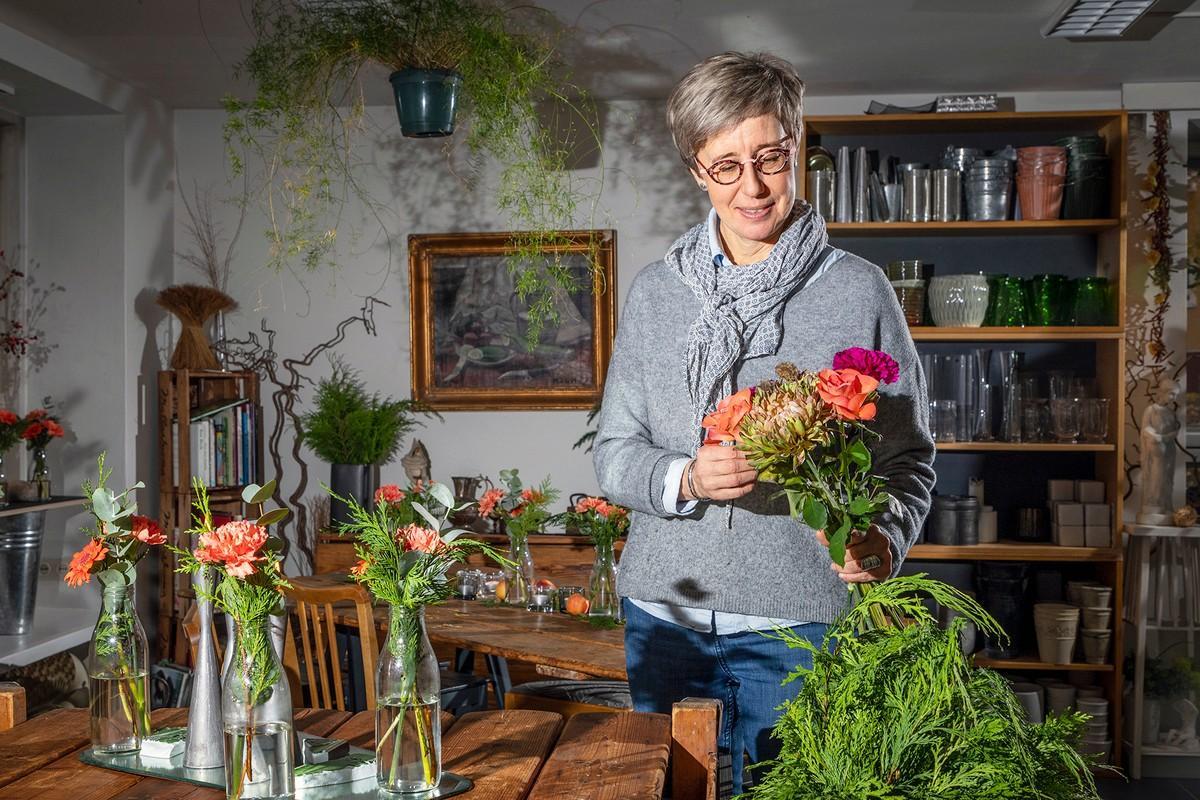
x=743, y=305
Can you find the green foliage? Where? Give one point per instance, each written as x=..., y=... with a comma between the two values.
x=349, y=426
x=250, y=601
x=1167, y=679
x=588, y=439
x=898, y=713
x=308, y=64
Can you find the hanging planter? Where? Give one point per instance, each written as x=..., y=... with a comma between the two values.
x=426, y=100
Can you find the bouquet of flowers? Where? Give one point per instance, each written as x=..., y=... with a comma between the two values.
x=40, y=427
x=10, y=430
x=249, y=584
x=405, y=549
x=523, y=510
x=118, y=659
x=807, y=432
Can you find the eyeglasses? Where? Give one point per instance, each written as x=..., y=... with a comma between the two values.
x=768, y=162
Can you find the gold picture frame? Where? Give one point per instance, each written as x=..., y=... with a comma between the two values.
x=467, y=326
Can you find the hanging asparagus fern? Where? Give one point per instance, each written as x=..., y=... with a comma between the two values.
x=309, y=64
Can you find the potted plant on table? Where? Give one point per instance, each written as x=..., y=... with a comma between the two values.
x=310, y=65
x=355, y=433
x=118, y=663
x=256, y=703
x=405, y=548
x=603, y=522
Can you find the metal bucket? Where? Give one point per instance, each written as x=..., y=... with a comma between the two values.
x=20, y=551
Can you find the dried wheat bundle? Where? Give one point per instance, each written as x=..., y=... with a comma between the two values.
x=194, y=305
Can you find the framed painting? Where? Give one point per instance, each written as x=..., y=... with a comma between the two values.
x=470, y=349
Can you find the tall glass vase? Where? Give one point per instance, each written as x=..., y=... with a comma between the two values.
x=518, y=578
x=39, y=472
x=602, y=585
x=256, y=711
x=3, y=483
x=118, y=675
x=408, y=724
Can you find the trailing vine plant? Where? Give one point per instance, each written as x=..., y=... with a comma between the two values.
x=309, y=64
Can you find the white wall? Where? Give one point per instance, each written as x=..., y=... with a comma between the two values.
x=647, y=197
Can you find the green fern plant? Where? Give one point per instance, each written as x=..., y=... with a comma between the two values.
x=309, y=64
x=349, y=426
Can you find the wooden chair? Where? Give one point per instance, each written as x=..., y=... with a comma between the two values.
x=12, y=705
x=318, y=640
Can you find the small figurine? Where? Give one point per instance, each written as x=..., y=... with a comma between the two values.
x=1160, y=427
x=417, y=466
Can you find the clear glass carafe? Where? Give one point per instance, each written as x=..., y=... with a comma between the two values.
x=408, y=726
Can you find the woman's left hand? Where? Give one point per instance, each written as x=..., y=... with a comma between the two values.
x=860, y=546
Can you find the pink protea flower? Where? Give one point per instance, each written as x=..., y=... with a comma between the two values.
x=876, y=363
x=235, y=545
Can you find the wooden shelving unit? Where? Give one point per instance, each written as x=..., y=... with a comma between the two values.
x=1005, y=227
x=929, y=333
x=180, y=394
x=1007, y=550
x=1024, y=447
x=1070, y=246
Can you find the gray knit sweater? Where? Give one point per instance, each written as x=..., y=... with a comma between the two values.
x=768, y=564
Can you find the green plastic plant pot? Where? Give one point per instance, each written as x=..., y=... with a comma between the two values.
x=426, y=100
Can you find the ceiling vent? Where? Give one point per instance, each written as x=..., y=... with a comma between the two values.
x=1101, y=20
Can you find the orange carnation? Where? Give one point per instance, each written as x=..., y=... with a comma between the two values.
x=722, y=424
x=235, y=545
x=8, y=418
x=421, y=540
x=53, y=428
x=147, y=531
x=79, y=571
x=360, y=568
x=848, y=392
x=491, y=498
x=389, y=493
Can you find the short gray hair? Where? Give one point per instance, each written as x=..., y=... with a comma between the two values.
x=727, y=89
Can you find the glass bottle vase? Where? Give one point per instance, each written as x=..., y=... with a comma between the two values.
x=518, y=579
x=3, y=483
x=39, y=472
x=602, y=585
x=256, y=710
x=118, y=675
x=408, y=723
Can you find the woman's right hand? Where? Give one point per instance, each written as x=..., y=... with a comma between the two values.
x=719, y=473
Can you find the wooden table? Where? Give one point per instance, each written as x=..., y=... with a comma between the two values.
x=562, y=643
x=510, y=755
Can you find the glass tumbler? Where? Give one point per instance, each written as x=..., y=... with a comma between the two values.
x=1046, y=300
x=1091, y=302
x=1065, y=413
x=1093, y=425
x=1012, y=308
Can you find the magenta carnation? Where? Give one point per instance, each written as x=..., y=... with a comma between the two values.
x=876, y=363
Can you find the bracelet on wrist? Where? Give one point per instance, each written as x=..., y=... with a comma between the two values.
x=690, y=484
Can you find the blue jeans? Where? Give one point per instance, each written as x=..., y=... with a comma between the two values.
x=668, y=662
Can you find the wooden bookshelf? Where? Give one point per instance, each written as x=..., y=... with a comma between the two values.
x=1073, y=247
x=180, y=394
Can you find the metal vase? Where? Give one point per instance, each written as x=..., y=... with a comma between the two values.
x=204, y=747
x=20, y=552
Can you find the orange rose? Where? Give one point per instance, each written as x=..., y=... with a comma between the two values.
x=722, y=424
x=848, y=391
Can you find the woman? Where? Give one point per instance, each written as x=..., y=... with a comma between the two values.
x=755, y=284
